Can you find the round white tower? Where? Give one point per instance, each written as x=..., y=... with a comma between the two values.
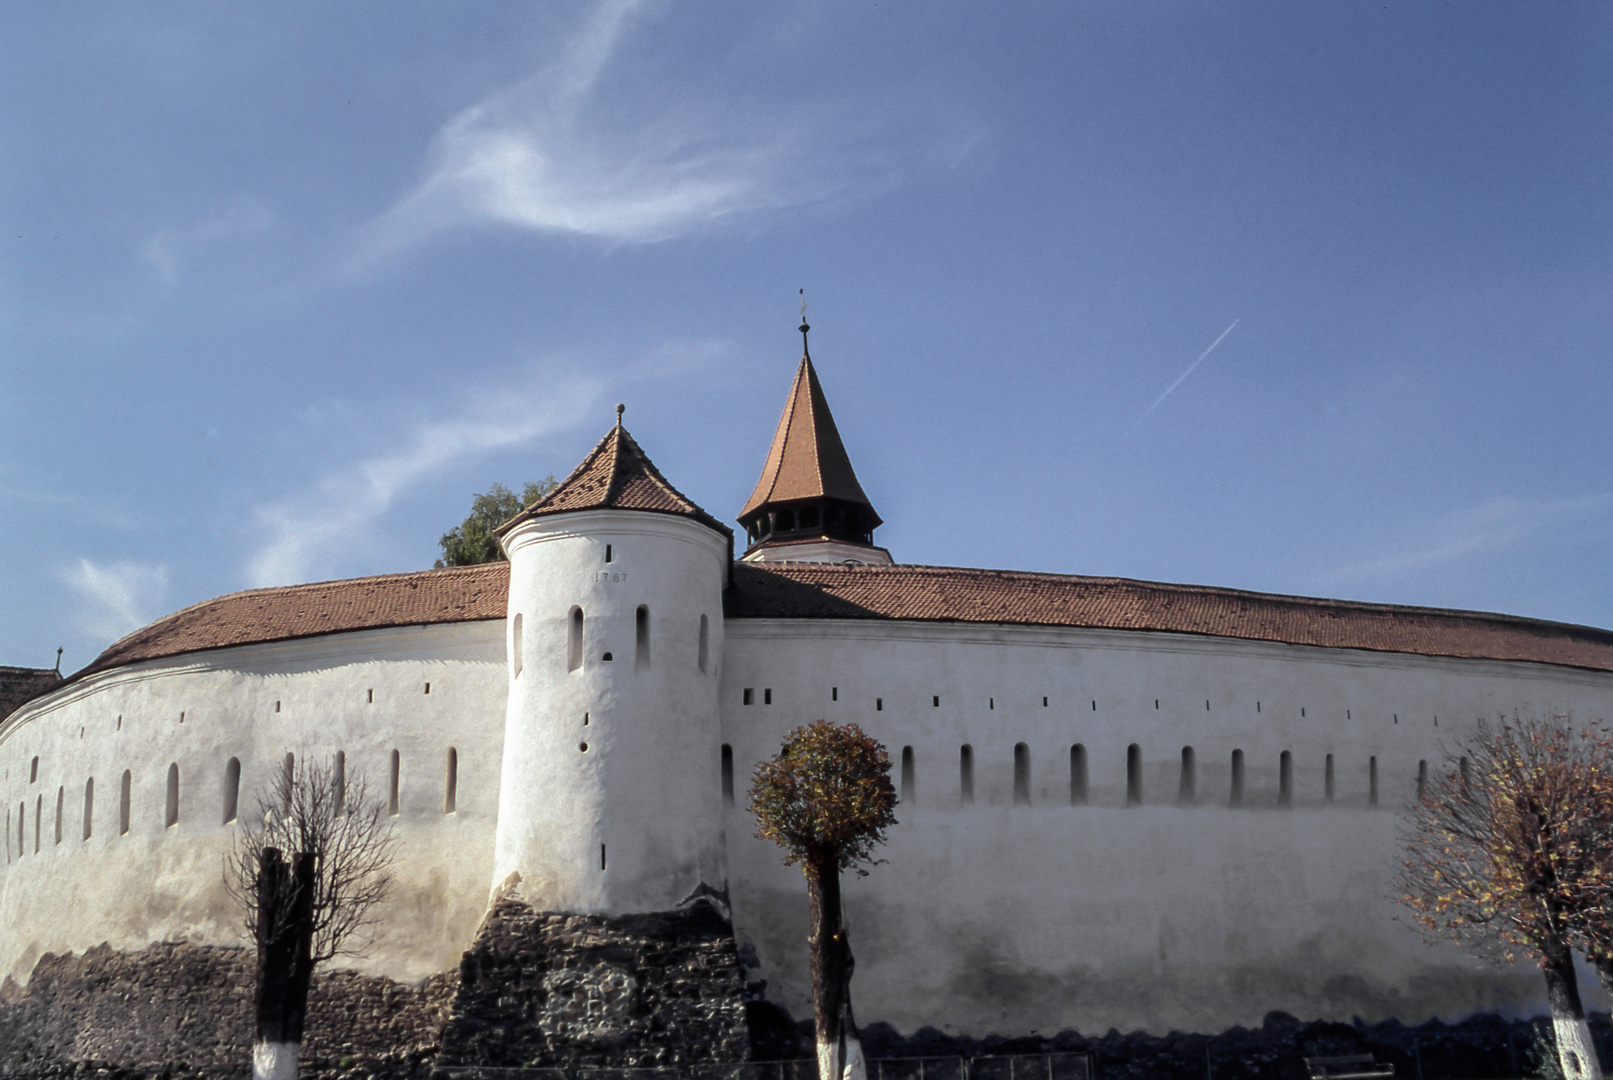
x=610, y=799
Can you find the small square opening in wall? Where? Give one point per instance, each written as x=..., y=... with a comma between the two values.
x=181, y=716
x=935, y=701
x=277, y=706
x=991, y=703
x=607, y=553
x=1044, y=703
x=767, y=696
x=879, y=704
x=370, y=697
x=834, y=693
x=428, y=688
x=749, y=695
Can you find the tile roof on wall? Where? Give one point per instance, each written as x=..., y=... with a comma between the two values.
x=936, y=593
x=919, y=593
x=457, y=594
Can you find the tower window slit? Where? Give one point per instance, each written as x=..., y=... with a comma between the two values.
x=1022, y=775
x=767, y=696
x=935, y=701
x=288, y=780
x=1285, y=779
x=909, y=780
x=879, y=704
x=1327, y=779
x=339, y=783
x=515, y=645
x=641, y=638
x=89, y=806
x=834, y=693
x=574, y=639
x=1187, y=789
x=1134, y=775
x=966, y=774
x=1372, y=781
x=61, y=797
x=607, y=553
x=232, y=789
x=703, y=656
x=39, y=812
x=170, y=816
x=33, y=771
x=394, y=766
x=450, y=785
x=1235, y=798
x=727, y=775
x=123, y=803
x=1078, y=775
x=1422, y=779
x=748, y=696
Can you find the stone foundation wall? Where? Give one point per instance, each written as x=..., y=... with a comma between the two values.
x=540, y=988
x=179, y=1003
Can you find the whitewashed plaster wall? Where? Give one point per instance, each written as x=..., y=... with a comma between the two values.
x=361, y=693
x=615, y=747
x=996, y=917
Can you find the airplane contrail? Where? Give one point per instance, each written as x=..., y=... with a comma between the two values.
x=1161, y=399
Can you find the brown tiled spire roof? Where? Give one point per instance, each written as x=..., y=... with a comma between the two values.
x=807, y=459
x=617, y=475
x=917, y=593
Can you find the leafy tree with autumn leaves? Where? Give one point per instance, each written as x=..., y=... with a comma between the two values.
x=1510, y=851
x=827, y=799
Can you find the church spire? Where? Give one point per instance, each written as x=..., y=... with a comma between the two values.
x=808, y=496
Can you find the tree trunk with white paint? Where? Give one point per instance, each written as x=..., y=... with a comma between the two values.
x=840, y=1055
x=1576, y=1053
x=285, y=966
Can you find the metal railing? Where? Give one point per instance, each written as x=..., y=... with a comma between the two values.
x=986, y=1067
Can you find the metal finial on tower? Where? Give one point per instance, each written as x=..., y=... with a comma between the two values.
x=620, y=409
x=804, y=326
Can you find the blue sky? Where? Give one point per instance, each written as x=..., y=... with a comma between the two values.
x=283, y=285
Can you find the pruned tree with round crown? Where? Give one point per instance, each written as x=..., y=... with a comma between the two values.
x=827, y=799
x=1510, y=852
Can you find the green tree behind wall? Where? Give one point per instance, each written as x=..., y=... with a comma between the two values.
x=472, y=540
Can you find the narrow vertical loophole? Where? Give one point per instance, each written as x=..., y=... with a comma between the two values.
x=574, y=640
x=1327, y=779
x=515, y=646
x=232, y=789
x=89, y=807
x=394, y=766
x=909, y=779
x=61, y=797
x=1187, y=788
x=170, y=816
x=288, y=780
x=608, y=553
x=450, y=786
x=641, y=638
x=727, y=775
x=702, y=657
x=602, y=856
x=1022, y=774
x=1235, y=798
x=1134, y=775
x=966, y=774
x=1422, y=780
x=339, y=783
x=123, y=803
x=1078, y=775
x=1285, y=779
x=1372, y=781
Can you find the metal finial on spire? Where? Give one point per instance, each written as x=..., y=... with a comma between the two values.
x=620, y=409
x=804, y=326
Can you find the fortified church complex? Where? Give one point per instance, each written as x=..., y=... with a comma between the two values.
x=1123, y=803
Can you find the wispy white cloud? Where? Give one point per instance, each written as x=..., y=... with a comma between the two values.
x=116, y=598
x=568, y=151
x=168, y=249
x=307, y=531
x=1500, y=524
